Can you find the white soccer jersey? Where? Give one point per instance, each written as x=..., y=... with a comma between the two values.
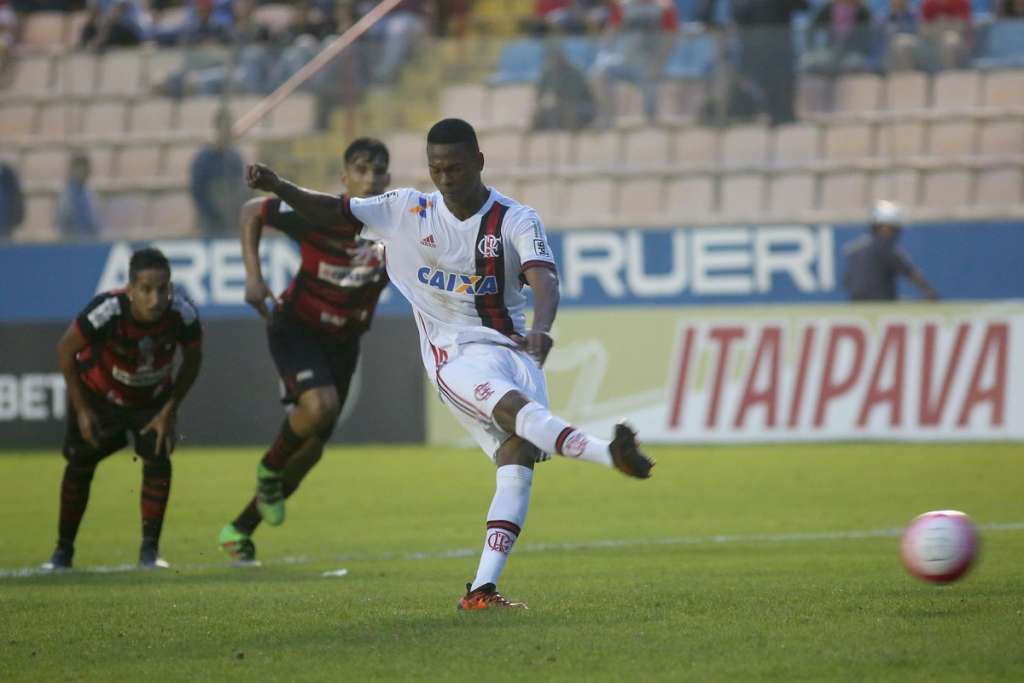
x=463, y=278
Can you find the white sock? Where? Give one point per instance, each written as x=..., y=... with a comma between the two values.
x=504, y=521
x=550, y=433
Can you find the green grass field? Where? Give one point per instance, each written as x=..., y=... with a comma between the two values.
x=731, y=564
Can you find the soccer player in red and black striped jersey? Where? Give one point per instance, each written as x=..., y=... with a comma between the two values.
x=118, y=362
x=313, y=333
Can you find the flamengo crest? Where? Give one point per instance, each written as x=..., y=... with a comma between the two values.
x=489, y=246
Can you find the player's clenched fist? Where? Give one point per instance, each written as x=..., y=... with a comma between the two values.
x=260, y=177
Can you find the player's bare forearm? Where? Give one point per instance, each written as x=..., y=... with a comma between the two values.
x=251, y=220
x=544, y=283
x=71, y=342
x=187, y=373
x=317, y=207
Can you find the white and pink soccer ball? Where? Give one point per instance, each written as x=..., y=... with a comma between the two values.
x=939, y=546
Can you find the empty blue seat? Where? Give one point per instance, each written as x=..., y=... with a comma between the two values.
x=580, y=51
x=692, y=58
x=1004, y=46
x=520, y=62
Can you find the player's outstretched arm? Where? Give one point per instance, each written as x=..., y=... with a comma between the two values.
x=321, y=208
x=257, y=293
x=544, y=283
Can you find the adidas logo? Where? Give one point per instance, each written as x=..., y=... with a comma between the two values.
x=428, y=241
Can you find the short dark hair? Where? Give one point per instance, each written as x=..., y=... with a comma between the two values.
x=147, y=259
x=371, y=147
x=453, y=132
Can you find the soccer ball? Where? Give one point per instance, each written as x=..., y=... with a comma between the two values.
x=939, y=546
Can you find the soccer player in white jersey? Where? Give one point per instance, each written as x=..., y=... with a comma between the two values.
x=461, y=256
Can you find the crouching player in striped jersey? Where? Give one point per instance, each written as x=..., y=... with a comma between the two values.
x=313, y=333
x=117, y=358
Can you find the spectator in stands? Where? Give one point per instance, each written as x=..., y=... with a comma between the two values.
x=637, y=42
x=396, y=36
x=845, y=27
x=1010, y=9
x=113, y=23
x=566, y=16
x=901, y=36
x=217, y=181
x=206, y=21
x=8, y=34
x=12, y=203
x=564, y=100
x=874, y=262
x=946, y=32
x=76, y=205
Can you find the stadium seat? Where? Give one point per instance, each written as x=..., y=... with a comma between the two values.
x=49, y=166
x=952, y=138
x=124, y=214
x=151, y=118
x=795, y=144
x=844, y=191
x=503, y=150
x=520, y=62
x=859, y=93
x=196, y=115
x=689, y=199
x=742, y=196
x=790, y=195
x=138, y=161
x=178, y=162
x=408, y=150
x=580, y=51
x=44, y=31
x=121, y=73
x=680, y=101
x=172, y=214
x=40, y=222
x=106, y=119
x=548, y=150
x=78, y=74
x=1004, y=89
x=946, y=189
x=1004, y=46
x=906, y=91
x=691, y=58
x=101, y=160
x=815, y=95
x=896, y=184
x=17, y=121
x=745, y=146
x=296, y=114
x=56, y=121
x=597, y=151
x=467, y=102
x=589, y=202
x=159, y=65
x=646, y=148
x=901, y=139
x=956, y=90
x=999, y=186
x=848, y=142
x=32, y=75
x=276, y=16
x=511, y=106
x=696, y=147
x=640, y=202
x=544, y=195
x=1001, y=137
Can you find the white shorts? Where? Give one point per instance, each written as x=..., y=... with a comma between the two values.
x=473, y=382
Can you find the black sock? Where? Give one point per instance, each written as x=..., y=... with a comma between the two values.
x=74, y=496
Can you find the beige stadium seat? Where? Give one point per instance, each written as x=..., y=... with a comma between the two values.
x=32, y=75
x=646, y=148
x=44, y=31
x=1004, y=89
x=76, y=22
x=947, y=188
x=901, y=139
x=138, y=161
x=78, y=74
x=597, y=151
x=503, y=150
x=848, y=142
x=152, y=118
x=742, y=196
x=745, y=146
x=796, y=144
x=511, y=106
x=548, y=150
x=680, y=101
x=17, y=121
x=296, y=114
x=859, y=93
x=408, y=151
x=790, y=195
x=640, y=202
x=956, y=90
x=815, y=95
x=276, y=16
x=952, y=138
x=121, y=73
x=125, y=214
x=906, y=91
x=105, y=119
x=196, y=115
x=696, y=147
x=172, y=214
x=160, y=64
x=56, y=121
x=589, y=202
x=844, y=191
x=101, y=160
x=468, y=102
x=178, y=162
x=689, y=199
x=999, y=186
x=48, y=166
x=40, y=224
x=1001, y=137
x=898, y=185
x=545, y=196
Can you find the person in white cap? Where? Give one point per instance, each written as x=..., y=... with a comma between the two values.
x=874, y=262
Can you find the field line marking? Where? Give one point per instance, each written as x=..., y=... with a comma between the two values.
x=791, y=537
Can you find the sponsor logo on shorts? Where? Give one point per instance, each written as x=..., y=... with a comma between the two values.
x=457, y=282
x=500, y=541
x=489, y=246
x=304, y=375
x=482, y=392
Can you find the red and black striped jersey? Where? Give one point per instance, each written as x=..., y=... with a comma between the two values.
x=130, y=363
x=341, y=276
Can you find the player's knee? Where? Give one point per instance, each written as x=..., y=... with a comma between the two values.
x=157, y=467
x=506, y=409
x=322, y=407
x=517, y=451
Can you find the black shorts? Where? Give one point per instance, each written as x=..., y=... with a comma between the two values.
x=115, y=424
x=307, y=360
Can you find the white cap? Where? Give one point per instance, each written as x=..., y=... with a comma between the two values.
x=887, y=213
